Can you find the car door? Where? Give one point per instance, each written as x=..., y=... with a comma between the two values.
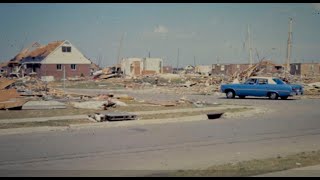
x=248, y=88
x=262, y=87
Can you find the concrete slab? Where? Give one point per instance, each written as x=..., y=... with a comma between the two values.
x=43, y=105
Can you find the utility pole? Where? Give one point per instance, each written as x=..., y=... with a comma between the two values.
x=250, y=48
x=64, y=77
x=178, y=60
x=289, y=46
x=194, y=61
x=120, y=47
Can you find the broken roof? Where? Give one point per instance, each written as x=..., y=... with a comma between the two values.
x=37, y=54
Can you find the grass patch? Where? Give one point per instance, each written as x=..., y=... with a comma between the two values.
x=43, y=123
x=257, y=167
x=58, y=123
x=132, y=107
x=15, y=114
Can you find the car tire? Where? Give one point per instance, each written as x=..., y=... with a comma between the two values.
x=230, y=94
x=284, y=97
x=273, y=96
x=242, y=97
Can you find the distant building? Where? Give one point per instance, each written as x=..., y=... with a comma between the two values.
x=141, y=66
x=305, y=69
x=203, y=70
x=131, y=66
x=266, y=67
x=51, y=60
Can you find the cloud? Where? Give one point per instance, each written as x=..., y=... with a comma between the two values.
x=161, y=29
x=316, y=6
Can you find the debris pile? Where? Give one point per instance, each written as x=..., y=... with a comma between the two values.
x=30, y=93
x=312, y=89
x=106, y=73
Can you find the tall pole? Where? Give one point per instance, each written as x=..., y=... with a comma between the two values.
x=64, y=77
x=250, y=48
x=289, y=46
x=178, y=60
x=119, y=50
x=194, y=61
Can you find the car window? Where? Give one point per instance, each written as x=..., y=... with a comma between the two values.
x=263, y=81
x=278, y=81
x=251, y=81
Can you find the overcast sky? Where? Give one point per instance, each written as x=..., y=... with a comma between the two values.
x=205, y=31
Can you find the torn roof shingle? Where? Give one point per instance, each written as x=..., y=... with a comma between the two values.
x=38, y=54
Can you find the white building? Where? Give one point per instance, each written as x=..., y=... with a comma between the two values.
x=141, y=66
x=203, y=70
x=153, y=64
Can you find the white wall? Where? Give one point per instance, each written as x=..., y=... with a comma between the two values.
x=153, y=64
x=59, y=57
x=203, y=69
x=126, y=63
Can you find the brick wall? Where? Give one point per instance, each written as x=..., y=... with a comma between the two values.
x=51, y=70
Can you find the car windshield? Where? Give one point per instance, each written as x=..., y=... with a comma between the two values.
x=278, y=81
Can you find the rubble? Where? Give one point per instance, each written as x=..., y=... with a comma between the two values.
x=312, y=88
x=162, y=103
x=98, y=105
x=6, y=82
x=9, y=98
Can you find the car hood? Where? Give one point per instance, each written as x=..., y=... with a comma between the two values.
x=296, y=86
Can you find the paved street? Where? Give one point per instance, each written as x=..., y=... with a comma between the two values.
x=293, y=126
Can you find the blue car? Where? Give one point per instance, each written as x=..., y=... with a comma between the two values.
x=263, y=87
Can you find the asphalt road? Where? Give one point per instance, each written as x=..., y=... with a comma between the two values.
x=292, y=127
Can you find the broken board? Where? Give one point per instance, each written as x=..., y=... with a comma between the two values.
x=117, y=116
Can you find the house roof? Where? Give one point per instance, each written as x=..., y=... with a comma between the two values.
x=37, y=54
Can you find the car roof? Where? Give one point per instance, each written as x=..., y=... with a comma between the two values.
x=270, y=79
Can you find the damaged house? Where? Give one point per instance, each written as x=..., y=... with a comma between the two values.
x=51, y=60
x=265, y=67
x=305, y=69
x=141, y=66
x=203, y=70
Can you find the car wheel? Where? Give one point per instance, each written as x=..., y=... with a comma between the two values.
x=230, y=94
x=242, y=97
x=273, y=96
x=284, y=97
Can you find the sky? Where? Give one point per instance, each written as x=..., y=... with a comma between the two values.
x=204, y=33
